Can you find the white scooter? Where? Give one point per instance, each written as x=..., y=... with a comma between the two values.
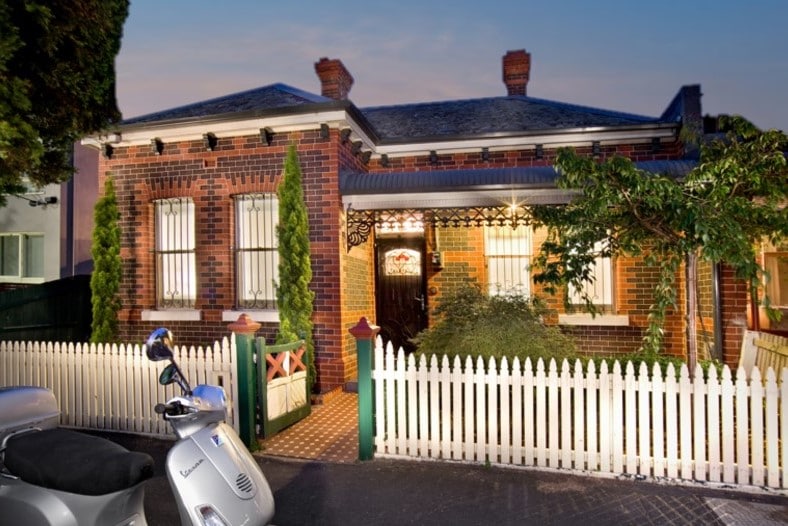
x=57, y=477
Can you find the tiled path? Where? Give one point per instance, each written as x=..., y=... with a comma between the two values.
x=329, y=434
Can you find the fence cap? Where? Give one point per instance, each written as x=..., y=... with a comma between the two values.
x=244, y=325
x=363, y=330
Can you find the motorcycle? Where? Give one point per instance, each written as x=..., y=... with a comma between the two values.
x=58, y=477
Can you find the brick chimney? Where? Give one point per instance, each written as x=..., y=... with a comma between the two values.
x=516, y=71
x=335, y=79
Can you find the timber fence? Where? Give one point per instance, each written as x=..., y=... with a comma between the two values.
x=115, y=387
x=626, y=420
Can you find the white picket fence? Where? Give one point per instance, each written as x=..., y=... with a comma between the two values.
x=115, y=387
x=719, y=430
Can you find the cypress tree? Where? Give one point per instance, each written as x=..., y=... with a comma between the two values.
x=105, y=280
x=294, y=299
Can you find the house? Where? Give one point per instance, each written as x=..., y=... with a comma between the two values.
x=45, y=233
x=405, y=202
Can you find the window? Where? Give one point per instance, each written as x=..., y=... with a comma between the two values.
x=776, y=265
x=176, y=268
x=507, y=252
x=600, y=288
x=22, y=257
x=257, y=252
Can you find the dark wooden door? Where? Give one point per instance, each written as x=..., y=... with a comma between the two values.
x=401, y=298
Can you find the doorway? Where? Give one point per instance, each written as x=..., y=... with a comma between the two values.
x=400, y=295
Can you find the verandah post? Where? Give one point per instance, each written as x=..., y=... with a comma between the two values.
x=365, y=336
x=244, y=329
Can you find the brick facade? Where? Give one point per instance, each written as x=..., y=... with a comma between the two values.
x=343, y=276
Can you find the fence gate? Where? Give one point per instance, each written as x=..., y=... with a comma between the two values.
x=282, y=385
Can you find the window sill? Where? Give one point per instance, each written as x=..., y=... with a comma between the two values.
x=260, y=316
x=171, y=315
x=602, y=320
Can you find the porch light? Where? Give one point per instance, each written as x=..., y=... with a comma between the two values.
x=596, y=149
x=210, y=141
x=365, y=156
x=345, y=134
x=539, y=151
x=656, y=145
x=108, y=150
x=324, y=131
x=356, y=147
x=384, y=160
x=433, y=157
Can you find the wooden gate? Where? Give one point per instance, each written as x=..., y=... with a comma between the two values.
x=283, y=385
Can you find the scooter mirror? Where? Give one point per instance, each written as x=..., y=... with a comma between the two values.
x=168, y=375
x=158, y=346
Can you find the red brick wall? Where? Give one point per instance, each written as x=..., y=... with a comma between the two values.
x=211, y=178
x=735, y=301
x=343, y=280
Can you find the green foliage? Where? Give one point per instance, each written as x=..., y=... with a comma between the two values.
x=57, y=82
x=661, y=360
x=718, y=213
x=471, y=323
x=294, y=299
x=105, y=280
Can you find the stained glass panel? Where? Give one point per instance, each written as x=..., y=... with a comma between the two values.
x=403, y=262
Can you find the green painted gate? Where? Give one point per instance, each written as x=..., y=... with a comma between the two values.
x=282, y=385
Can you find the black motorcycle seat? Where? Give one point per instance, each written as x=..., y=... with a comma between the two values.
x=74, y=462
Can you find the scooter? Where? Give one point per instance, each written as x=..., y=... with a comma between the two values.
x=57, y=477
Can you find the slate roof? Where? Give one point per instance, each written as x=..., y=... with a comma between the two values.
x=266, y=98
x=490, y=116
x=402, y=123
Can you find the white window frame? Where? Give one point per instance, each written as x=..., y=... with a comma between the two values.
x=175, y=253
x=601, y=288
x=23, y=258
x=775, y=282
x=256, y=251
x=507, y=254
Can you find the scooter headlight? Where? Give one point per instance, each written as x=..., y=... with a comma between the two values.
x=210, y=517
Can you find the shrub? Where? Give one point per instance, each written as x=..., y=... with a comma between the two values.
x=471, y=323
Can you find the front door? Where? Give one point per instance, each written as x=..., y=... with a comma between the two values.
x=401, y=298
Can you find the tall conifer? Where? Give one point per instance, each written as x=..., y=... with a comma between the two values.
x=105, y=280
x=294, y=299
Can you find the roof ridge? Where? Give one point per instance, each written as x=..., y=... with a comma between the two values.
x=296, y=92
x=537, y=100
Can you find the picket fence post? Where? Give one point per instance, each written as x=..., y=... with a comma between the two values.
x=244, y=329
x=365, y=335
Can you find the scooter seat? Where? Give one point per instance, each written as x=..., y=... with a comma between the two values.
x=74, y=462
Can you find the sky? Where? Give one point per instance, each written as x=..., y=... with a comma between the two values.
x=622, y=55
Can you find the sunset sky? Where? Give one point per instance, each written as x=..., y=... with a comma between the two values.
x=612, y=54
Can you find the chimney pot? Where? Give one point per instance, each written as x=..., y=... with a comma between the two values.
x=335, y=79
x=516, y=71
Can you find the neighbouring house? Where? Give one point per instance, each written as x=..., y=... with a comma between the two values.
x=45, y=233
x=45, y=256
x=405, y=203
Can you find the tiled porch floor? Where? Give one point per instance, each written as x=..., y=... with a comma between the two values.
x=329, y=434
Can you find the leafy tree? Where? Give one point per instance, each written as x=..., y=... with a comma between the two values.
x=730, y=201
x=105, y=279
x=293, y=297
x=57, y=83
